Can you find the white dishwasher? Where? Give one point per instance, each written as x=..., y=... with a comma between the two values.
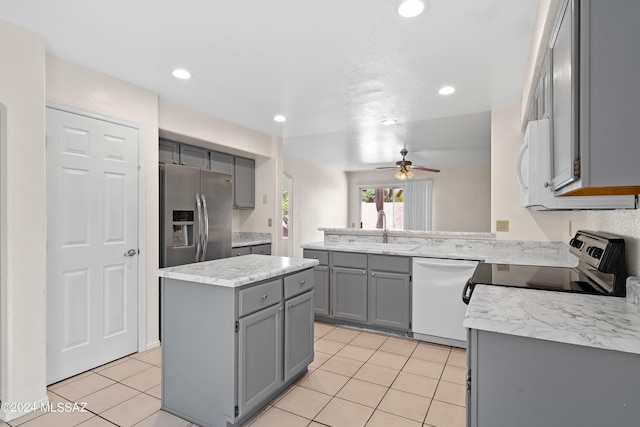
x=437, y=307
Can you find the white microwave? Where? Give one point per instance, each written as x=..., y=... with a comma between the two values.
x=533, y=171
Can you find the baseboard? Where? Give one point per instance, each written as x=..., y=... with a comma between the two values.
x=7, y=414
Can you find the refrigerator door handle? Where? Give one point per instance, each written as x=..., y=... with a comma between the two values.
x=199, y=213
x=205, y=240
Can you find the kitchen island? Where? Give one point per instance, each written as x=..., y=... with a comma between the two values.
x=547, y=358
x=235, y=333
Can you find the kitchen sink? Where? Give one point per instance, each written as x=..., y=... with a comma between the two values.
x=381, y=246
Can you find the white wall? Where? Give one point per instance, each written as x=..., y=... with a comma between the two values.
x=319, y=199
x=505, y=147
x=22, y=219
x=85, y=89
x=461, y=196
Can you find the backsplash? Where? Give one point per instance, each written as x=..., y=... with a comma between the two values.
x=244, y=236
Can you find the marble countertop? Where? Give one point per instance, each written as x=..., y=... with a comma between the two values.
x=241, y=239
x=493, y=251
x=237, y=271
x=408, y=233
x=594, y=321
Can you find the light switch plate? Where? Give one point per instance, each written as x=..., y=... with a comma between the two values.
x=502, y=225
x=269, y=222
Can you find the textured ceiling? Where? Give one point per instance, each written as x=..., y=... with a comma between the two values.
x=336, y=69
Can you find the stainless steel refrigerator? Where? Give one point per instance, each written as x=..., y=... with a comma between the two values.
x=195, y=215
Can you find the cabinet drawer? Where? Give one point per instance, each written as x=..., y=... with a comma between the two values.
x=298, y=283
x=394, y=264
x=348, y=259
x=242, y=250
x=322, y=256
x=259, y=296
x=261, y=249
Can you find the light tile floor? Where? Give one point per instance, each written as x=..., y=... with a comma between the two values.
x=358, y=378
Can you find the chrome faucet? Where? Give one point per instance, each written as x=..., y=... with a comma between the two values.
x=385, y=236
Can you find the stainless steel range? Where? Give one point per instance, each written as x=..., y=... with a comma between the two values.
x=601, y=270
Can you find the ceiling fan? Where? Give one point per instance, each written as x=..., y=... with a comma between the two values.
x=405, y=167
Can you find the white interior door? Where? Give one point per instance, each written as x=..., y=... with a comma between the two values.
x=92, y=243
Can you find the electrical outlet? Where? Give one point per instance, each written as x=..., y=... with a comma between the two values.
x=269, y=222
x=264, y=199
x=503, y=267
x=502, y=225
x=353, y=225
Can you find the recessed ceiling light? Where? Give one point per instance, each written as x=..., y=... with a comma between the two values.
x=181, y=74
x=411, y=8
x=280, y=118
x=447, y=90
x=389, y=122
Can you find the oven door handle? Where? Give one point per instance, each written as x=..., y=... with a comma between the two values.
x=466, y=296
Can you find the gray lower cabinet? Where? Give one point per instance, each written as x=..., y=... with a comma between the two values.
x=242, y=250
x=228, y=351
x=527, y=382
x=321, y=279
x=373, y=290
x=244, y=183
x=261, y=249
x=349, y=294
x=390, y=299
x=260, y=354
x=298, y=329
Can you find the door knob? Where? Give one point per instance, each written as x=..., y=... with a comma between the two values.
x=130, y=252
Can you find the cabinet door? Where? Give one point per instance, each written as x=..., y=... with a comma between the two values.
x=243, y=250
x=194, y=157
x=390, y=299
x=221, y=162
x=244, y=183
x=564, y=105
x=321, y=287
x=261, y=249
x=298, y=334
x=168, y=152
x=259, y=356
x=349, y=292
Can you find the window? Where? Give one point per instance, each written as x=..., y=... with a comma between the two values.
x=407, y=206
x=375, y=199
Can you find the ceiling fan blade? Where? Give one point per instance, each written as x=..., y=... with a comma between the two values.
x=421, y=168
x=387, y=167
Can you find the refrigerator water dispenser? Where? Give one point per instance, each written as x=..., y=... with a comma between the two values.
x=182, y=229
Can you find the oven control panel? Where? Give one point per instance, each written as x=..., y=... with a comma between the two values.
x=598, y=249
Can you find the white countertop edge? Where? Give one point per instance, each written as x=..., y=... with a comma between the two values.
x=410, y=233
x=250, y=243
x=202, y=275
x=583, y=339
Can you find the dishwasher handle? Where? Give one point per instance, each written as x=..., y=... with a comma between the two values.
x=467, y=291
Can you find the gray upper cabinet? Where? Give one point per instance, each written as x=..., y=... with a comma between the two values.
x=595, y=64
x=221, y=162
x=244, y=183
x=242, y=169
x=194, y=157
x=168, y=152
x=564, y=141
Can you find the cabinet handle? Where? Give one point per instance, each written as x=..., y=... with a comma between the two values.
x=315, y=257
x=302, y=282
x=289, y=306
x=264, y=296
x=373, y=274
x=364, y=272
x=280, y=309
x=546, y=185
x=182, y=163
